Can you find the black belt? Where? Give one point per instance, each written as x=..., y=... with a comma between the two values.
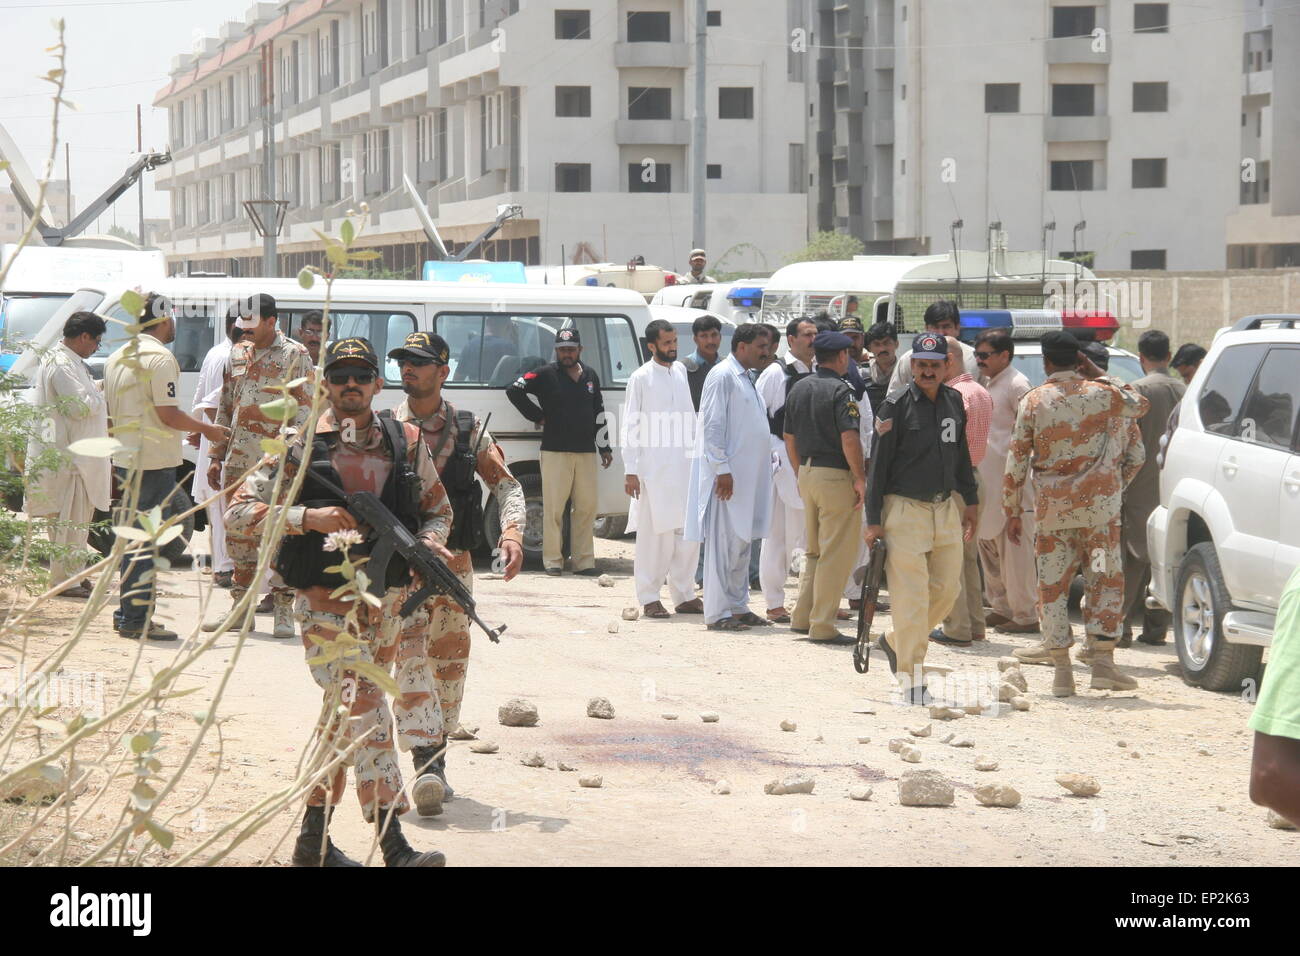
x=928, y=499
x=826, y=461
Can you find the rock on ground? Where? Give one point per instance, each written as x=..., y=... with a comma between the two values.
x=1014, y=677
x=631, y=613
x=601, y=708
x=566, y=767
x=964, y=742
x=864, y=740
x=1279, y=822
x=797, y=783
x=518, y=713
x=997, y=795
x=484, y=747
x=595, y=781
x=860, y=793
x=910, y=754
x=1020, y=703
x=1006, y=691
x=1079, y=784
x=710, y=716
x=789, y=726
x=925, y=788
x=722, y=788
x=533, y=759
x=947, y=738
x=612, y=627
x=1006, y=663
x=985, y=763
x=897, y=744
x=946, y=713
x=464, y=733
x=920, y=731
x=605, y=581
x=668, y=716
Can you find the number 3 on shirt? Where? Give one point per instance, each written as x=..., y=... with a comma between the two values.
x=171, y=389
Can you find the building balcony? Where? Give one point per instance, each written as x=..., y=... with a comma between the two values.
x=1076, y=50
x=654, y=55
x=652, y=132
x=882, y=59
x=1076, y=129
x=1258, y=83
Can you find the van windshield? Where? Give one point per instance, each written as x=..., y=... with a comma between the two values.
x=495, y=348
x=23, y=316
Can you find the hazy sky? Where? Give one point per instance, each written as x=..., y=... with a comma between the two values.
x=118, y=54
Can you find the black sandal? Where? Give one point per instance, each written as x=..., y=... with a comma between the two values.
x=728, y=624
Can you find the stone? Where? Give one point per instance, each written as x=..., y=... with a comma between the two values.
x=1006, y=691
x=964, y=742
x=722, y=788
x=920, y=731
x=484, y=747
x=860, y=793
x=946, y=713
x=1279, y=822
x=600, y=708
x=566, y=767
x=710, y=716
x=612, y=627
x=595, y=781
x=864, y=740
x=464, y=733
x=1203, y=752
x=985, y=763
x=796, y=783
x=533, y=759
x=897, y=744
x=910, y=754
x=1135, y=755
x=1014, y=677
x=518, y=712
x=1020, y=703
x=631, y=613
x=668, y=716
x=605, y=581
x=997, y=795
x=789, y=726
x=1079, y=784
x=1121, y=743
x=1006, y=663
x=947, y=738
x=819, y=739
x=925, y=788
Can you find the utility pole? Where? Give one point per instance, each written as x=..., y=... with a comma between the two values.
x=700, y=137
x=269, y=265
x=139, y=148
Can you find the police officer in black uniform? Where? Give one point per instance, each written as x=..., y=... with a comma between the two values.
x=821, y=438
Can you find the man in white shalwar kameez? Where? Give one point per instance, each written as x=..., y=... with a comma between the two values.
x=788, y=531
x=730, y=497
x=207, y=398
x=69, y=493
x=658, y=439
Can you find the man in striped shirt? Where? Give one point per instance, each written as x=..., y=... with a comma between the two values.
x=966, y=621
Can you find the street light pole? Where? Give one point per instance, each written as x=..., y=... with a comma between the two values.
x=699, y=139
x=270, y=267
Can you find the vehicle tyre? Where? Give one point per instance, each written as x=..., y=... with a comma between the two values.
x=611, y=526
x=1200, y=601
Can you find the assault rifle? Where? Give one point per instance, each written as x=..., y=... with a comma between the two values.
x=390, y=537
x=869, y=598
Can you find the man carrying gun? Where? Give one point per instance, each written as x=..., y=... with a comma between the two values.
x=461, y=450
x=357, y=451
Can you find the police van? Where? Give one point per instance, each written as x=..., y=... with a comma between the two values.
x=495, y=333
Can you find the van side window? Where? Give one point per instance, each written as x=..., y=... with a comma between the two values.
x=624, y=351
x=492, y=349
x=1268, y=415
x=1225, y=387
x=385, y=330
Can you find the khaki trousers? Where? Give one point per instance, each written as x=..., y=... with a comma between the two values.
x=1011, y=574
x=923, y=564
x=833, y=527
x=569, y=475
x=966, y=620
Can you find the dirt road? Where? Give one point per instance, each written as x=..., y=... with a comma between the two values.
x=1172, y=761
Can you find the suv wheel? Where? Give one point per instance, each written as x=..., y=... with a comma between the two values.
x=1200, y=601
x=531, y=483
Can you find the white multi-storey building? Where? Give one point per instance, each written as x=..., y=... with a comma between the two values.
x=1127, y=124
x=579, y=111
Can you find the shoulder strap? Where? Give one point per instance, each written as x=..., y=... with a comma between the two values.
x=396, y=435
x=448, y=411
x=464, y=431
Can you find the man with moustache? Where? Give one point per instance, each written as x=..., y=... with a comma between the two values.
x=461, y=451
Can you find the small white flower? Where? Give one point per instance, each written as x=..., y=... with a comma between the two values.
x=342, y=540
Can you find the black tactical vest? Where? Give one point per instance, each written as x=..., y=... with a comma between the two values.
x=460, y=478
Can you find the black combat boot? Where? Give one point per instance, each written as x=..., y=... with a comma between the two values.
x=307, y=851
x=397, y=852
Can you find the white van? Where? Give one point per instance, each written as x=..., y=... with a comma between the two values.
x=646, y=279
x=740, y=301
x=611, y=322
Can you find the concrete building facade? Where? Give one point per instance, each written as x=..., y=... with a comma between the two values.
x=59, y=208
x=578, y=111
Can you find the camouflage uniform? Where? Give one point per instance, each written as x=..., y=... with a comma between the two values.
x=1075, y=435
x=363, y=466
x=250, y=383
x=447, y=626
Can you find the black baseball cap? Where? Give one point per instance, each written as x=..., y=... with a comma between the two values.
x=567, y=336
x=423, y=345
x=929, y=345
x=1059, y=345
x=351, y=349
x=832, y=342
x=851, y=323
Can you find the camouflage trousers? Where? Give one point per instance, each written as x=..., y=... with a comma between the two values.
x=388, y=641
x=242, y=550
x=1093, y=552
x=440, y=642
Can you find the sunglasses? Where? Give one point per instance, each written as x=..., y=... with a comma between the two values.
x=985, y=356
x=342, y=378
x=415, y=362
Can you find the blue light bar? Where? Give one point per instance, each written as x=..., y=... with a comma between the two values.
x=591, y=280
x=746, y=295
x=1021, y=323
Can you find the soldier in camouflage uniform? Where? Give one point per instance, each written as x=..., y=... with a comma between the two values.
x=258, y=363
x=423, y=361
x=362, y=452
x=1071, y=441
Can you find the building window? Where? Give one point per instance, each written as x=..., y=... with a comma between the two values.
x=1151, y=97
x=649, y=178
x=1072, y=99
x=1073, y=21
x=1151, y=18
x=798, y=168
x=649, y=103
x=1149, y=173
x=651, y=27
x=713, y=18
x=327, y=57
x=713, y=171
x=573, y=101
x=430, y=24
x=573, y=24
x=573, y=177
x=374, y=37
x=1071, y=174
x=328, y=157
x=429, y=160
x=1001, y=97
x=735, y=102
x=178, y=207
x=1147, y=259
x=376, y=162
x=1257, y=190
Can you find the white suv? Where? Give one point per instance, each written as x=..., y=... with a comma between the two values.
x=1226, y=536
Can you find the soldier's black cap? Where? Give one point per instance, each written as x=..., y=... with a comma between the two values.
x=567, y=336
x=1059, y=345
x=851, y=323
x=423, y=345
x=1097, y=352
x=832, y=342
x=929, y=345
x=355, y=349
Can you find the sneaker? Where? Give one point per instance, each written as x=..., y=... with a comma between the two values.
x=155, y=632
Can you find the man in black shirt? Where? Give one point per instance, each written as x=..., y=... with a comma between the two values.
x=707, y=333
x=572, y=416
x=919, y=461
